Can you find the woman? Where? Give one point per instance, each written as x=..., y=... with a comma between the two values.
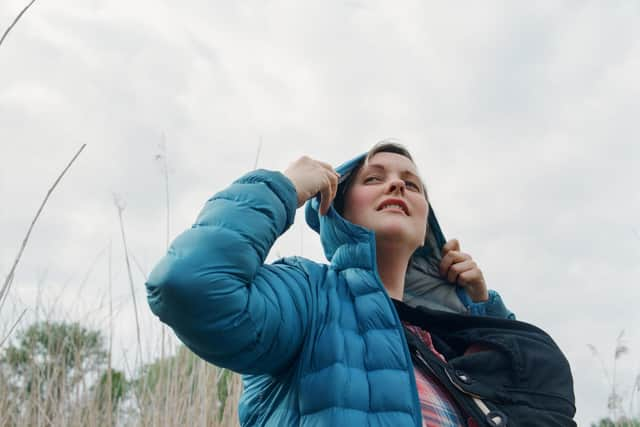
x=334, y=345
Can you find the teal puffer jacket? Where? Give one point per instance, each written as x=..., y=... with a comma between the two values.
x=318, y=344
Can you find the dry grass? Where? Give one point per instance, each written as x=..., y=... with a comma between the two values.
x=63, y=385
x=61, y=373
x=188, y=392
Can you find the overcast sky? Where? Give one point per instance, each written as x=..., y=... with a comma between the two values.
x=523, y=120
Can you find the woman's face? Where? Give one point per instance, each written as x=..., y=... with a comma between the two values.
x=387, y=197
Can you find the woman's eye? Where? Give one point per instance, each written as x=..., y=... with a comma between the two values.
x=371, y=179
x=412, y=184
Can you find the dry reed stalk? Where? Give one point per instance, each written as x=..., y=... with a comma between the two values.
x=5, y=404
x=110, y=350
x=163, y=158
x=15, y=21
x=4, y=291
x=230, y=412
x=120, y=208
x=202, y=396
x=173, y=385
x=255, y=163
x=12, y=329
x=89, y=271
x=141, y=270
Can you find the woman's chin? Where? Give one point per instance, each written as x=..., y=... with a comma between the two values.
x=397, y=236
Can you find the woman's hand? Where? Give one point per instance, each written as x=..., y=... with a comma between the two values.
x=458, y=267
x=311, y=177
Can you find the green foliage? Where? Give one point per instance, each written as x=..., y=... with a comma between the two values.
x=622, y=422
x=50, y=355
x=117, y=391
x=50, y=375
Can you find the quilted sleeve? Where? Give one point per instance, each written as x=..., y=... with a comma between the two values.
x=214, y=290
x=493, y=307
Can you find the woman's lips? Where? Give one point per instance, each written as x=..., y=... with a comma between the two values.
x=394, y=204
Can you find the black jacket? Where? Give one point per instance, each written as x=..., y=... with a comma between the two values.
x=521, y=378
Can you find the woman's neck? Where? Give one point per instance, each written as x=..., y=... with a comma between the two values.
x=392, y=267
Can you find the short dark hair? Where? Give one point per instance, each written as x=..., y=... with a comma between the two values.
x=384, y=146
x=388, y=146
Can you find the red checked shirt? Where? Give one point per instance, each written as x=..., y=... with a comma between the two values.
x=438, y=407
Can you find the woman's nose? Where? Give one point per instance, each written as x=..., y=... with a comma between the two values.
x=396, y=185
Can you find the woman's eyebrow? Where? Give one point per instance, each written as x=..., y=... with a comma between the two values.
x=383, y=169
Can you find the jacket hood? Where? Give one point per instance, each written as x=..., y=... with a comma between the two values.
x=349, y=245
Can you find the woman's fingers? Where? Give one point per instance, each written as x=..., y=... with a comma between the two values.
x=334, y=177
x=451, y=245
x=458, y=267
x=329, y=190
x=455, y=271
x=470, y=277
x=311, y=177
x=451, y=257
x=327, y=194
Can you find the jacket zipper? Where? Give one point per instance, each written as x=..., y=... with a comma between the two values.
x=477, y=400
x=484, y=409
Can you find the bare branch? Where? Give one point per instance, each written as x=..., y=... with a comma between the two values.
x=15, y=21
x=4, y=291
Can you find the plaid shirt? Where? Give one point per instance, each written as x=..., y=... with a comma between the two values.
x=438, y=407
